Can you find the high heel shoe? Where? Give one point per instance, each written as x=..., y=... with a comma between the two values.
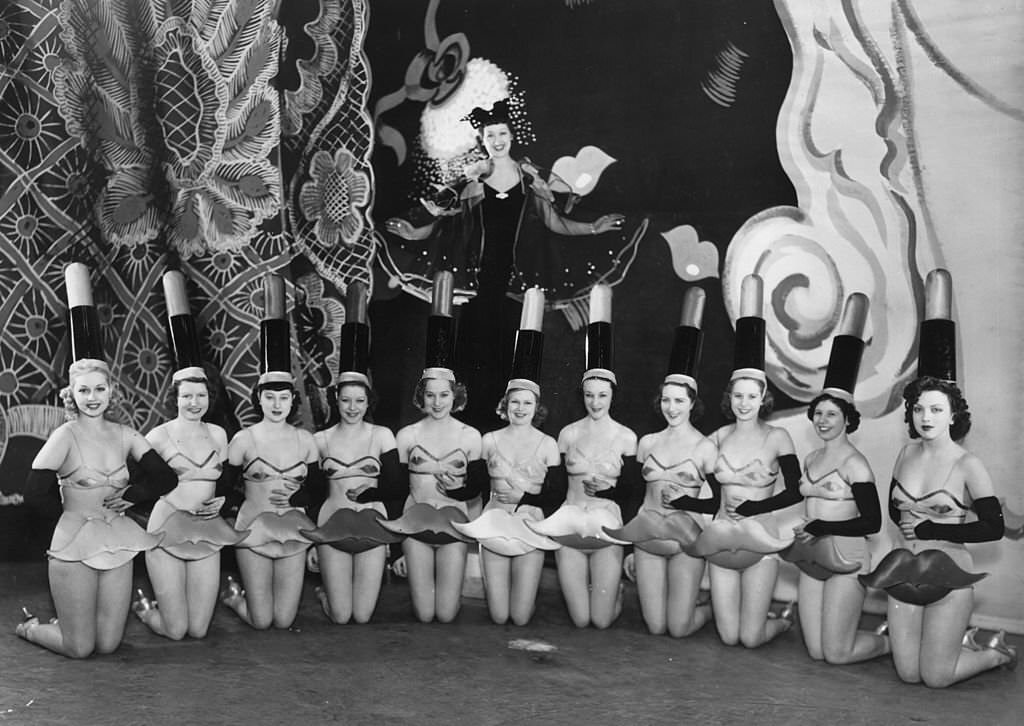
x=788, y=613
x=883, y=628
x=998, y=643
x=142, y=604
x=28, y=622
x=232, y=591
x=968, y=642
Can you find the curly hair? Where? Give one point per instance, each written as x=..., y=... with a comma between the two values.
x=696, y=409
x=81, y=367
x=171, y=400
x=539, y=416
x=259, y=388
x=849, y=411
x=458, y=389
x=957, y=403
x=767, y=403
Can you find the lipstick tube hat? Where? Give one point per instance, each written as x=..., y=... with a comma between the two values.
x=936, y=349
x=599, y=349
x=847, y=349
x=748, y=356
x=354, y=364
x=440, y=352
x=181, y=329
x=275, y=335
x=688, y=342
x=83, y=320
x=529, y=345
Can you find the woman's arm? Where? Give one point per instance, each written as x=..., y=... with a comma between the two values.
x=988, y=527
x=152, y=480
x=869, y=519
x=789, y=466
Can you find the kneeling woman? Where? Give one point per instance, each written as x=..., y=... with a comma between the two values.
x=360, y=463
x=185, y=569
x=94, y=543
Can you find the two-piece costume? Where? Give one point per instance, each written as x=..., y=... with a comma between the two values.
x=186, y=535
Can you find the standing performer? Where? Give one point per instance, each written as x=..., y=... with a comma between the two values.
x=501, y=235
x=842, y=508
x=675, y=462
x=740, y=543
x=279, y=465
x=185, y=569
x=361, y=465
x=94, y=543
x=935, y=484
x=600, y=460
x=444, y=470
x=527, y=477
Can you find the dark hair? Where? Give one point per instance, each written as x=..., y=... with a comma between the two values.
x=849, y=411
x=539, y=416
x=697, y=407
x=257, y=391
x=958, y=405
x=767, y=403
x=371, y=395
x=615, y=388
x=171, y=401
x=458, y=389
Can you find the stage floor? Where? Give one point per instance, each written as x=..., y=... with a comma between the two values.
x=395, y=672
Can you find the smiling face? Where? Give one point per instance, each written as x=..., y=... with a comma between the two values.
x=193, y=400
x=521, y=407
x=676, y=404
x=91, y=391
x=745, y=399
x=353, y=402
x=497, y=139
x=438, y=398
x=276, y=404
x=597, y=397
x=932, y=415
x=829, y=421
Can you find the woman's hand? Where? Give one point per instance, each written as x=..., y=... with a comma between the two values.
x=210, y=508
x=670, y=493
x=354, y=492
x=730, y=508
x=802, y=536
x=279, y=497
x=907, y=527
x=117, y=503
x=446, y=481
x=607, y=223
x=508, y=494
x=596, y=484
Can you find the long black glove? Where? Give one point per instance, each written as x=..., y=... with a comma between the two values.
x=552, y=492
x=41, y=493
x=628, y=489
x=313, y=490
x=868, y=522
x=476, y=481
x=228, y=487
x=389, y=482
x=152, y=480
x=790, y=467
x=704, y=505
x=988, y=528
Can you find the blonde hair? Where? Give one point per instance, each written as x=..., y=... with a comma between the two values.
x=81, y=368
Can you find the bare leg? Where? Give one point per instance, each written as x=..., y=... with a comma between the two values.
x=497, y=571
x=288, y=574
x=905, y=628
x=167, y=576
x=451, y=571
x=944, y=661
x=652, y=587
x=526, y=572
x=685, y=616
x=725, y=602
x=841, y=640
x=336, y=569
x=202, y=580
x=419, y=562
x=257, y=606
x=758, y=584
x=573, y=578
x=811, y=595
x=113, y=599
x=366, y=580
x=605, y=577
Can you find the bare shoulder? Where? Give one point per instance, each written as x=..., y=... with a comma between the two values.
x=385, y=437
